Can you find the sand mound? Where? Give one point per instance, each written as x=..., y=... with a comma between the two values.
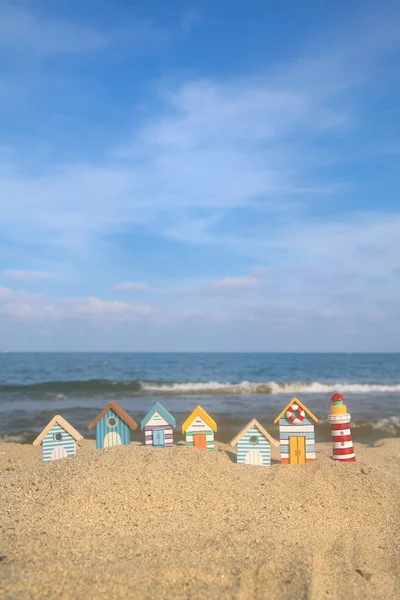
x=138, y=522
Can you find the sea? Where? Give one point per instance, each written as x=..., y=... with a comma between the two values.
x=232, y=387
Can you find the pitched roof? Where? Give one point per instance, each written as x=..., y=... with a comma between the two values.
x=64, y=424
x=254, y=423
x=162, y=411
x=120, y=412
x=296, y=401
x=199, y=412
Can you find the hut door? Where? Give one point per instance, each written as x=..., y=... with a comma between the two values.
x=158, y=437
x=58, y=452
x=253, y=457
x=297, y=450
x=200, y=440
x=112, y=439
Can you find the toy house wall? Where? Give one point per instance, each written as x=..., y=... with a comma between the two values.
x=288, y=429
x=168, y=434
x=121, y=428
x=49, y=443
x=199, y=426
x=263, y=445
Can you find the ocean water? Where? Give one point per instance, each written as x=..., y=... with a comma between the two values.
x=233, y=387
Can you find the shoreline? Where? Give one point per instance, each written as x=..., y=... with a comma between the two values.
x=140, y=522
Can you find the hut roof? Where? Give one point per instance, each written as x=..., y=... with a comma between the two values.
x=296, y=401
x=64, y=424
x=199, y=412
x=264, y=432
x=120, y=412
x=162, y=411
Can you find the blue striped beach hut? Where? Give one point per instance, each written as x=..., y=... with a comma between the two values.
x=296, y=433
x=113, y=426
x=254, y=445
x=58, y=439
x=158, y=427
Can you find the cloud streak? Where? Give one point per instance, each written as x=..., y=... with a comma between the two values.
x=31, y=35
x=231, y=285
x=46, y=36
x=22, y=305
x=132, y=286
x=29, y=276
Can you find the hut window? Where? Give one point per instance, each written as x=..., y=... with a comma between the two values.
x=253, y=439
x=111, y=421
x=57, y=436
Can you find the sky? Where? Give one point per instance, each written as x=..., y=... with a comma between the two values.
x=200, y=176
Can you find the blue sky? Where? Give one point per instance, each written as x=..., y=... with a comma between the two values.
x=205, y=175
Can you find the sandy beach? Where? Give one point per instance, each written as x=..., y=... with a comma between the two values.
x=136, y=522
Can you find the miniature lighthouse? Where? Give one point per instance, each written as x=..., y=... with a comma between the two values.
x=342, y=443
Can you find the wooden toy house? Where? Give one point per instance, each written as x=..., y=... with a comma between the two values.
x=199, y=429
x=58, y=439
x=113, y=426
x=158, y=427
x=296, y=433
x=254, y=445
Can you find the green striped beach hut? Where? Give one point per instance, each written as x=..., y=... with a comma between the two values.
x=199, y=429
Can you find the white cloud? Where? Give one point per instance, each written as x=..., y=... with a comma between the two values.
x=96, y=306
x=231, y=285
x=29, y=276
x=44, y=35
x=23, y=306
x=213, y=145
x=132, y=286
x=33, y=34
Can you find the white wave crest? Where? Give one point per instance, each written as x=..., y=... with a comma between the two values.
x=207, y=387
x=389, y=425
x=16, y=438
x=269, y=387
x=320, y=388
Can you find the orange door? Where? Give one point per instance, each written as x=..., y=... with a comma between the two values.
x=200, y=440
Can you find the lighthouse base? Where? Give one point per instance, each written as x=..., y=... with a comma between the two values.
x=338, y=458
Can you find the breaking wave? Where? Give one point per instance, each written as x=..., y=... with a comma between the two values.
x=59, y=390
x=270, y=387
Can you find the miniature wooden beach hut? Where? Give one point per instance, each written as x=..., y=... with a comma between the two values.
x=296, y=433
x=113, y=426
x=158, y=425
x=58, y=439
x=254, y=445
x=199, y=429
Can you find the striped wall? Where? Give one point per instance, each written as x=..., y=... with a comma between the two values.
x=288, y=429
x=168, y=434
x=209, y=437
x=263, y=445
x=121, y=429
x=49, y=443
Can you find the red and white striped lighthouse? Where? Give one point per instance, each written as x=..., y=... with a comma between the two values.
x=342, y=442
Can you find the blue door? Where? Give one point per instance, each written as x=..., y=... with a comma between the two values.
x=158, y=437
